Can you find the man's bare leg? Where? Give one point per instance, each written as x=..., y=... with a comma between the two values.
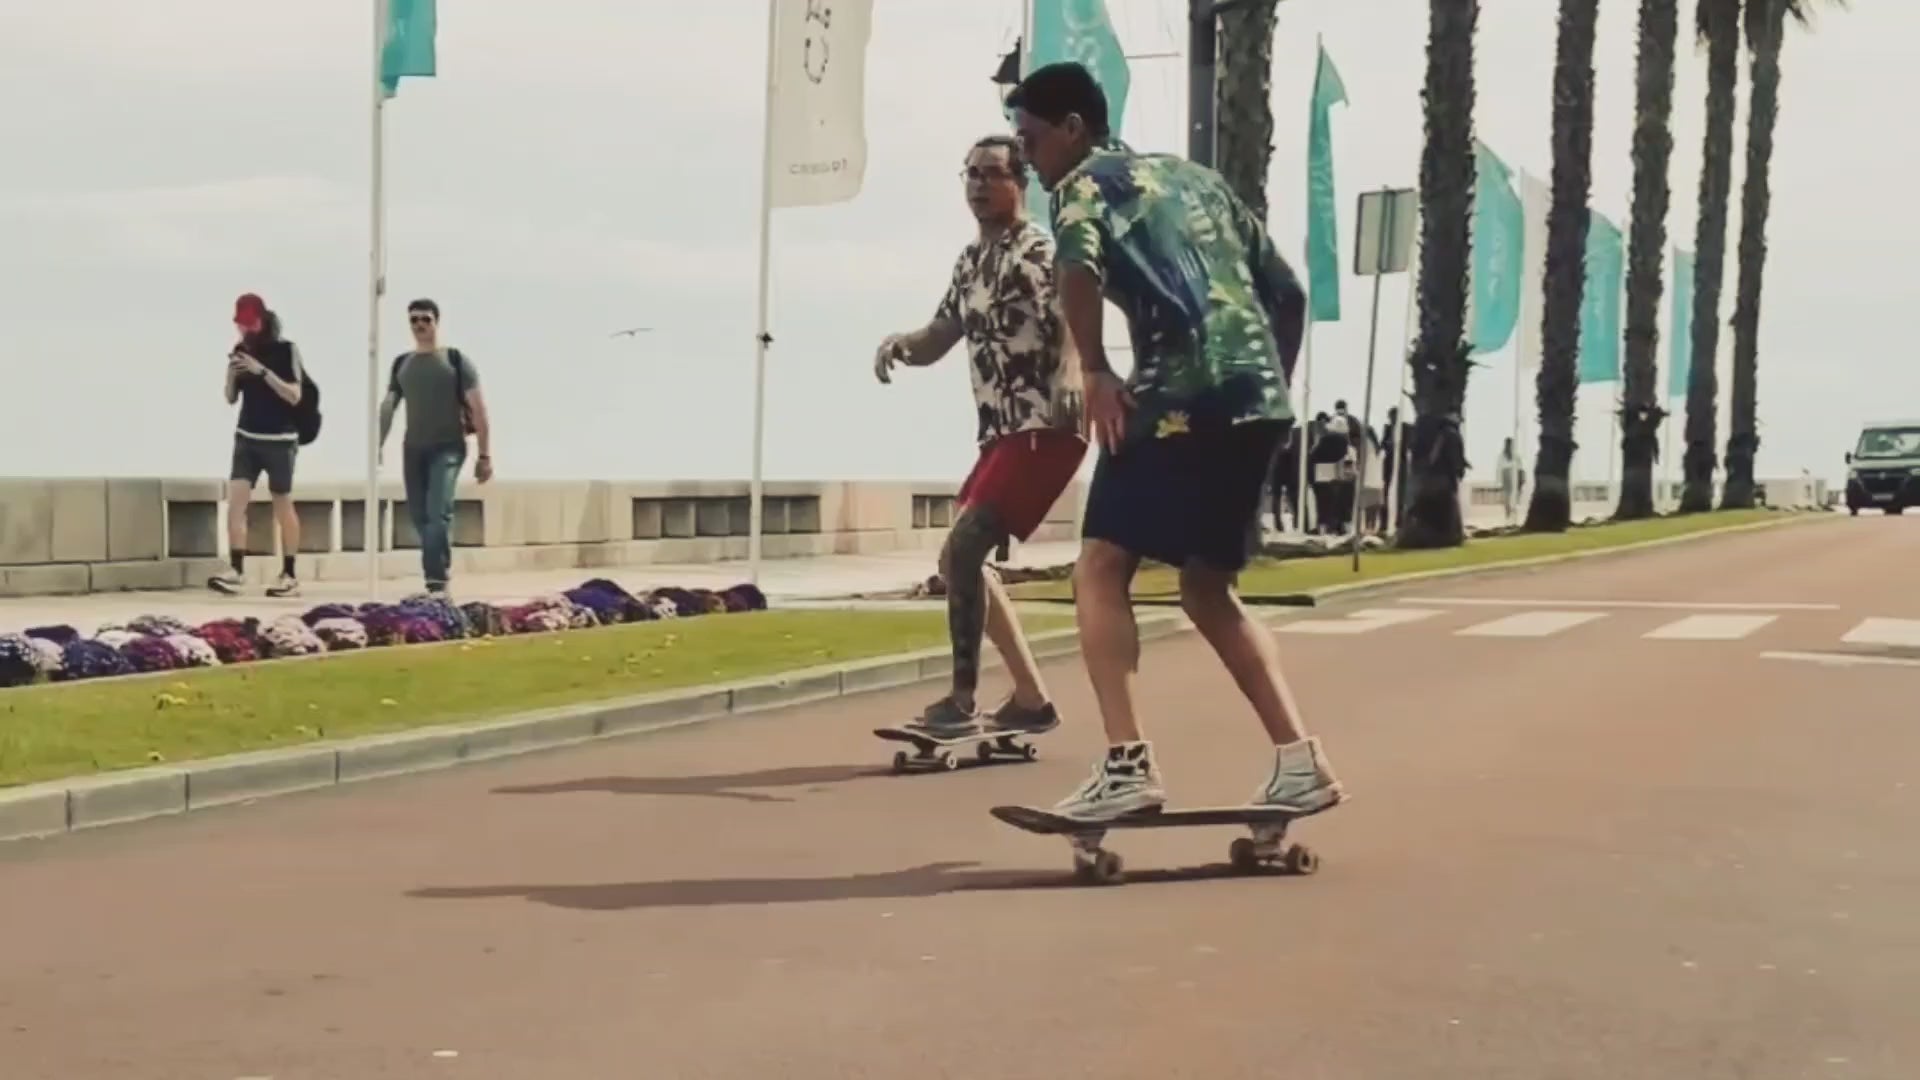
x=962, y=565
x=1301, y=777
x=1109, y=638
x=1003, y=629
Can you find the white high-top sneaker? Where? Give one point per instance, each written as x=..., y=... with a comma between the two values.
x=1301, y=780
x=1124, y=782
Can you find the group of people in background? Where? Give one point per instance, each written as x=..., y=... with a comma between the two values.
x=1334, y=445
x=279, y=412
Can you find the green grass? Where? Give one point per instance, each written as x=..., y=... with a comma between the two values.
x=1269, y=577
x=49, y=732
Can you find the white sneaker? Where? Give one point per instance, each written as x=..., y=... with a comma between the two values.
x=1301, y=780
x=1124, y=782
x=284, y=589
x=228, y=582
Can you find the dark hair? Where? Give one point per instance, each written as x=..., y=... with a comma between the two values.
x=270, y=324
x=1016, y=160
x=1057, y=91
x=427, y=306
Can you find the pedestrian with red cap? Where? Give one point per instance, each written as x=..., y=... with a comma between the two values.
x=265, y=378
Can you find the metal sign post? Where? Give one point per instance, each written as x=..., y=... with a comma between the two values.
x=1384, y=246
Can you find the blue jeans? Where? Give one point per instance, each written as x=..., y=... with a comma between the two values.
x=431, y=472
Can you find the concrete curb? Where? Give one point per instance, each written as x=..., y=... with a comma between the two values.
x=1377, y=585
x=62, y=806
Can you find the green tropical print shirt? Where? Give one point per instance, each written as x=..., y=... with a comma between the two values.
x=1214, y=313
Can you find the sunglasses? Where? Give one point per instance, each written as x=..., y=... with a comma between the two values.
x=970, y=173
x=420, y=320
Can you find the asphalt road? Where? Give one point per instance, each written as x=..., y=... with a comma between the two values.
x=1574, y=851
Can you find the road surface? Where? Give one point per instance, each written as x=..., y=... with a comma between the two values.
x=1581, y=846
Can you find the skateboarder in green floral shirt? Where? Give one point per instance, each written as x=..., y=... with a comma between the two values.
x=1187, y=440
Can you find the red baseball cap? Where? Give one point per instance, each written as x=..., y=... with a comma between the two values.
x=249, y=308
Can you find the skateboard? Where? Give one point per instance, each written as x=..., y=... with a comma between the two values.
x=936, y=754
x=1094, y=864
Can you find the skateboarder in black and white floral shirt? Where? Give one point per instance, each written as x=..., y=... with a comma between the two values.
x=1026, y=388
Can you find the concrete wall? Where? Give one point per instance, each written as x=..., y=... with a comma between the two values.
x=77, y=536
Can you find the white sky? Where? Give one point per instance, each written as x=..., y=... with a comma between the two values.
x=583, y=167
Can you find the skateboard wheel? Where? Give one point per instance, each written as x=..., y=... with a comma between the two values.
x=1030, y=752
x=1107, y=868
x=1244, y=855
x=949, y=762
x=900, y=761
x=984, y=753
x=1301, y=860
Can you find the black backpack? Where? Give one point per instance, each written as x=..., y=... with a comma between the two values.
x=459, y=384
x=306, y=415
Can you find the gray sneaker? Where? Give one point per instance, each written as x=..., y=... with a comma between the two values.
x=1012, y=716
x=945, y=720
x=1301, y=780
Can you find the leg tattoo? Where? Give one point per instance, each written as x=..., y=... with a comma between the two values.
x=963, y=564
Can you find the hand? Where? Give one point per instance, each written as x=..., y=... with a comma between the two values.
x=248, y=364
x=892, y=351
x=1108, y=403
x=483, y=468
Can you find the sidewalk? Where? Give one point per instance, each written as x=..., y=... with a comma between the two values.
x=789, y=582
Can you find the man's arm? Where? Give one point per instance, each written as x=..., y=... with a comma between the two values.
x=928, y=344
x=233, y=383
x=1080, y=269
x=1280, y=292
x=482, y=425
x=288, y=392
x=388, y=406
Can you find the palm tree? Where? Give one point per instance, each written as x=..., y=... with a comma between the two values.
x=1245, y=133
x=1441, y=354
x=1717, y=26
x=1565, y=282
x=1641, y=411
x=1766, y=23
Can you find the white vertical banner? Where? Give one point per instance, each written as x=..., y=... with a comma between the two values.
x=817, y=113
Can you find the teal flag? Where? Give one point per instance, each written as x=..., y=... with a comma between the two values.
x=1600, y=306
x=408, y=49
x=1499, y=242
x=1680, y=338
x=1079, y=31
x=1323, y=224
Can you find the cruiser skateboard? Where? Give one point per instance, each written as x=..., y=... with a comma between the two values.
x=1094, y=864
x=934, y=753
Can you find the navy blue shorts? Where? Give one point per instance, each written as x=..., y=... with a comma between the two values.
x=1194, y=497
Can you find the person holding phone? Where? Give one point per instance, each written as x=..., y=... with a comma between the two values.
x=264, y=379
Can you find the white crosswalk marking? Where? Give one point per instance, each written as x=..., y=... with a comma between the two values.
x=1710, y=628
x=1532, y=624
x=1896, y=633
x=1357, y=622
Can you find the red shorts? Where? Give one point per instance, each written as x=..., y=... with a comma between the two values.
x=1022, y=475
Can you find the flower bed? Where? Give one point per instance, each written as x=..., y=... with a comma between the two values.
x=158, y=643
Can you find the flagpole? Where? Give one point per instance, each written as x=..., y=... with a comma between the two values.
x=1301, y=423
x=376, y=271
x=760, y=338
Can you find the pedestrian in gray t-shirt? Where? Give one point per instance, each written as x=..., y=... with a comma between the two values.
x=444, y=405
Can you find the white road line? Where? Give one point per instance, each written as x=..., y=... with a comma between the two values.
x=1842, y=659
x=1531, y=624
x=1650, y=605
x=1710, y=628
x=1356, y=622
x=1901, y=633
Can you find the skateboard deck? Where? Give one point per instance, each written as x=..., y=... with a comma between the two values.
x=1093, y=862
x=935, y=753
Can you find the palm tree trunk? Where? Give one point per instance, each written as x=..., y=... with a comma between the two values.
x=1245, y=133
x=1766, y=25
x=1642, y=408
x=1718, y=24
x=1564, y=286
x=1441, y=355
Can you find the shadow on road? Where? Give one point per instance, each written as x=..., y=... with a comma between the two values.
x=930, y=879
x=720, y=786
